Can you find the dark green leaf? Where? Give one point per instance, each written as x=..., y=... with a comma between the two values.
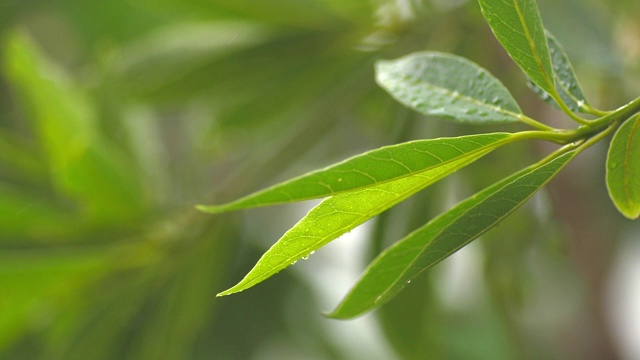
x=447, y=85
x=623, y=168
x=566, y=80
x=392, y=270
x=518, y=27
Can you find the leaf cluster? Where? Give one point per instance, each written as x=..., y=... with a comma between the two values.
x=455, y=89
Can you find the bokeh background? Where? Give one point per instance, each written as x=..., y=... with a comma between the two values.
x=117, y=117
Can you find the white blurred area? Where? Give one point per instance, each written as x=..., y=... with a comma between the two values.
x=336, y=269
x=623, y=297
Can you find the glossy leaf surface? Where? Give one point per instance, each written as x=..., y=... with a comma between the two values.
x=623, y=168
x=449, y=86
x=340, y=214
x=393, y=269
x=566, y=80
x=518, y=27
x=368, y=169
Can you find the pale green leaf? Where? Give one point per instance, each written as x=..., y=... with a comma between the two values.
x=340, y=214
x=393, y=269
x=368, y=169
x=566, y=80
x=449, y=86
x=623, y=168
x=518, y=27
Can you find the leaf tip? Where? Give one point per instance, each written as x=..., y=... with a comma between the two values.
x=335, y=315
x=631, y=214
x=342, y=312
x=229, y=291
x=210, y=209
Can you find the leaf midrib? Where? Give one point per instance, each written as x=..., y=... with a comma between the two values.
x=332, y=235
x=234, y=206
x=532, y=46
x=459, y=95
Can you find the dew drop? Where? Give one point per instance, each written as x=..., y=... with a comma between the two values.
x=293, y=263
x=339, y=179
x=408, y=281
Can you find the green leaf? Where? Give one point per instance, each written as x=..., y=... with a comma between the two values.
x=447, y=85
x=340, y=214
x=368, y=169
x=566, y=80
x=623, y=168
x=518, y=27
x=393, y=269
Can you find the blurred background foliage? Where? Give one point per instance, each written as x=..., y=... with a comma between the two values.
x=117, y=117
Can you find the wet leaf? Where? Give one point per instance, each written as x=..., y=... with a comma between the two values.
x=566, y=80
x=447, y=85
x=623, y=168
x=340, y=214
x=393, y=269
x=518, y=27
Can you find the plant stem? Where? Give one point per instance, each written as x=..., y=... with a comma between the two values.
x=534, y=123
x=596, y=127
x=565, y=108
x=593, y=111
x=623, y=112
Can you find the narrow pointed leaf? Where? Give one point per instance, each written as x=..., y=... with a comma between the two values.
x=368, y=169
x=393, y=269
x=449, y=86
x=518, y=27
x=566, y=80
x=623, y=168
x=340, y=214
